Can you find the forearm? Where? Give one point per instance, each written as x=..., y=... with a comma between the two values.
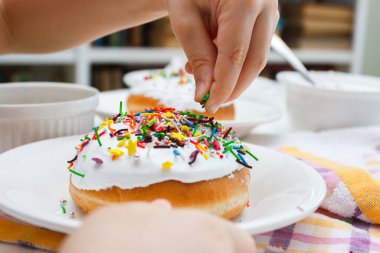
x=39, y=26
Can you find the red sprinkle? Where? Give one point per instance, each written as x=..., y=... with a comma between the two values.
x=216, y=144
x=194, y=142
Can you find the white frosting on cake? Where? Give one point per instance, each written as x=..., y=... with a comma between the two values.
x=171, y=86
x=127, y=172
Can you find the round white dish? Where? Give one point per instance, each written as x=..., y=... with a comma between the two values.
x=339, y=100
x=34, y=178
x=42, y=110
x=248, y=113
x=137, y=77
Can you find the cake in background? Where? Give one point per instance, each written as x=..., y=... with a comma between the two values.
x=171, y=87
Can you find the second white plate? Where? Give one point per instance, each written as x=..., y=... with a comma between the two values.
x=248, y=113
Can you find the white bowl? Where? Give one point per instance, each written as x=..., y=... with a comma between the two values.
x=339, y=100
x=36, y=111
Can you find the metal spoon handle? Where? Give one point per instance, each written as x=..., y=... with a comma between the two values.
x=283, y=50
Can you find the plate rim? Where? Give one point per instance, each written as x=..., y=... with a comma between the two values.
x=67, y=226
x=277, y=114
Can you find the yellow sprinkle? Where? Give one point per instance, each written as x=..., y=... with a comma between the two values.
x=177, y=136
x=131, y=146
x=169, y=123
x=197, y=134
x=121, y=143
x=201, y=147
x=205, y=156
x=115, y=152
x=185, y=128
x=105, y=123
x=168, y=114
x=166, y=165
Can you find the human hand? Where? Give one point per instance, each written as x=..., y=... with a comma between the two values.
x=226, y=42
x=147, y=228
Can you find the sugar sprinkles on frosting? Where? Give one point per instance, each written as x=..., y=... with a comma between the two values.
x=176, y=137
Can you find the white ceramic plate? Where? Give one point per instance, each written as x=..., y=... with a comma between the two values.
x=34, y=177
x=248, y=113
x=136, y=77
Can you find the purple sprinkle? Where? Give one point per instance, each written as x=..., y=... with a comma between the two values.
x=97, y=160
x=84, y=144
x=193, y=156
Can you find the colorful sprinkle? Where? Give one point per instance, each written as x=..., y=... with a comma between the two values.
x=97, y=136
x=132, y=147
x=193, y=156
x=76, y=173
x=97, y=160
x=204, y=99
x=166, y=165
x=167, y=129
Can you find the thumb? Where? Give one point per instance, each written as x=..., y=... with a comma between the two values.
x=189, y=28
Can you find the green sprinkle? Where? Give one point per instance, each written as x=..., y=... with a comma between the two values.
x=76, y=173
x=97, y=136
x=151, y=122
x=254, y=157
x=81, y=140
x=122, y=138
x=143, y=128
x=348, y=221
x=236, y=156
x=197, y=116
x=228, y=143
x=87, y=138
x=84, y=156
x=63, y=209
x=195, y=129
x=204, y=99
x=121, y=107
x=160, y=135
x=227, y=149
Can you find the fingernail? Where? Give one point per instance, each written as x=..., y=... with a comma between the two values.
x=212, y=108
x=163, y=203
x=200, y=91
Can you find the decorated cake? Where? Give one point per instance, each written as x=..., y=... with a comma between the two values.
x=189, y=159
x=171, y=88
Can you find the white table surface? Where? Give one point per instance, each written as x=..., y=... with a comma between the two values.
x=267, y=135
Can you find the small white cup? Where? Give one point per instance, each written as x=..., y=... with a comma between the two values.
x=37, y=110
x=339, y=100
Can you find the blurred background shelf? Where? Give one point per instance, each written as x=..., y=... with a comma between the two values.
x=133, y=55
x=327, y=35
x=317, y=57
x=66, y=57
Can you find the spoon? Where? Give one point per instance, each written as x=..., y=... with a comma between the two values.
x=283, y=50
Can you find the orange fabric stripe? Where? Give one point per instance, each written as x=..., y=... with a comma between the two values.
x=363, y=187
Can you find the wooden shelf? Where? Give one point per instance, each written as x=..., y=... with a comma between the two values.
x=64, y=58
x=132, y=55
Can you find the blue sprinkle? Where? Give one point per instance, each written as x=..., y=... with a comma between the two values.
x=175, y=152
x=189, y=124
x=242, y=158
x=212, y=134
